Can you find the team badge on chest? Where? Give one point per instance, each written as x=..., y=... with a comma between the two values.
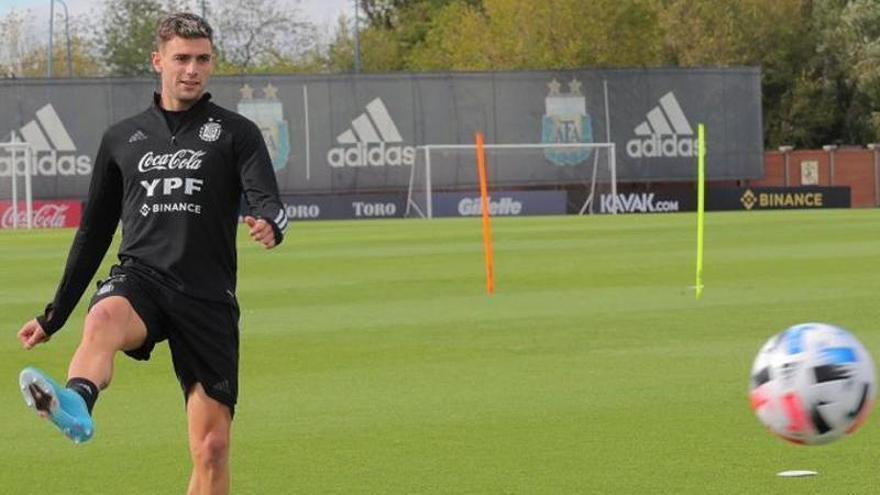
x=210, y=131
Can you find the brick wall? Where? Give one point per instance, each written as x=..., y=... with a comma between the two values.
x=852, y=167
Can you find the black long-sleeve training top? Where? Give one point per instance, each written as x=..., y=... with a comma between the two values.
x=177, y=189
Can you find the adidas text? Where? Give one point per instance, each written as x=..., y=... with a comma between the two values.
x=48, y=163
x=662, y=147
x=54, y=150
x=378, y=155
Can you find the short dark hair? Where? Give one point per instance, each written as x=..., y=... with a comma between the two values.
x=183, y=25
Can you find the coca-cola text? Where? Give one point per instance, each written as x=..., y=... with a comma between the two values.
x=179, y=160
x=44, y=214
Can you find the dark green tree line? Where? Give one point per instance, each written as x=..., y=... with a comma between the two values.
x=820, y=59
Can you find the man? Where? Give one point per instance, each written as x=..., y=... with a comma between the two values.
x=174, y=176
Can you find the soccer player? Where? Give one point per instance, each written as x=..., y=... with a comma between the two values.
x=174, y=175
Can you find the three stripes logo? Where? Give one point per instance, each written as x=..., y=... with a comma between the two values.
x=372, y=140
x=665, y=134
x=55, y=153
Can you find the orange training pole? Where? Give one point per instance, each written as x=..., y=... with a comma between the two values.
x=487, y=227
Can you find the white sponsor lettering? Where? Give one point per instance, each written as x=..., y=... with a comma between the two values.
x=379, y=155
x=665, y=132
x=171, y=184
x=150, y=186
x=47, y=137
x=504, y=206
x=46, y=217
x=179, y=160
x=662, y=147
x=46, y=164
x=636, y=203
x=177, y=207
x=373, y=140
x=303, y=211
x=364, y=209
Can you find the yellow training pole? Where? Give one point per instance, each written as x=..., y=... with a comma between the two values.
x=701, y=199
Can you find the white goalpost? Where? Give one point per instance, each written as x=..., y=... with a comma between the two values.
x=15, y=152
x=588, y=164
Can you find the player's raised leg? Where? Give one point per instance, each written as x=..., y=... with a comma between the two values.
x=111, y=325
x=210, y=423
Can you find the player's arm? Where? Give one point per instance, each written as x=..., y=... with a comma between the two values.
x=90, y=244
x=266, y=219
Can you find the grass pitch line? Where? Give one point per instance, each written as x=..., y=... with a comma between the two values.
x=797, y=474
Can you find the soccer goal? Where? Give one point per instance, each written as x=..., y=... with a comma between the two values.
x=16, y=162
x=590, y=167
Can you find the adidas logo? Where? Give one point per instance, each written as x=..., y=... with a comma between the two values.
x=137, y=136
x=665, y=134
x=55, y=153
x=367, y=142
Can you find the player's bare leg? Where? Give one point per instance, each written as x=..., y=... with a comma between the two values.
x=112, y=325
x=210, y=423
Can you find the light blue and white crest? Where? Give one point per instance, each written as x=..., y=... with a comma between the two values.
x=268, y=114
x=566, y=121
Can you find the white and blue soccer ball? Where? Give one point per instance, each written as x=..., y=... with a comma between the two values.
x=813, y=384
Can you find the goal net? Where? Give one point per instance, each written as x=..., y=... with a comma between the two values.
x=589, y=169
x=16, y=192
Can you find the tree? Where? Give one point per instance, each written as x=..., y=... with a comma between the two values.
x=256, y=35
x=126, y=34
x=850, y=43
x=16, y=40
x=522, y=34
x=831, y=96
x=383, y=14
x=83, y=62
x=392, y=29
x=338, y=56
x=22, y=55
x=391, y=15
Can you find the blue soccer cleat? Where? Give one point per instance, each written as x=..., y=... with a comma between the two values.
x=63, y=407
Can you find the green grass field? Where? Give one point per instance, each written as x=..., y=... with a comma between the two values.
x=374, y=362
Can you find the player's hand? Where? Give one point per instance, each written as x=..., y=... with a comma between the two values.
x=32, y=334
x=261, y=231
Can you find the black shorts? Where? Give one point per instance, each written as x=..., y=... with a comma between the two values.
x=202, y=335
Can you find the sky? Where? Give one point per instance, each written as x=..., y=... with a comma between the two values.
x=320, y=12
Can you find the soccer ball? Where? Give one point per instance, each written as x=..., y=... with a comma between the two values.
x=813, y=384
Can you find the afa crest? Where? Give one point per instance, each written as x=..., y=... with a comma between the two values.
x=566, y=121
x=210, y=131
x=268, y=114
